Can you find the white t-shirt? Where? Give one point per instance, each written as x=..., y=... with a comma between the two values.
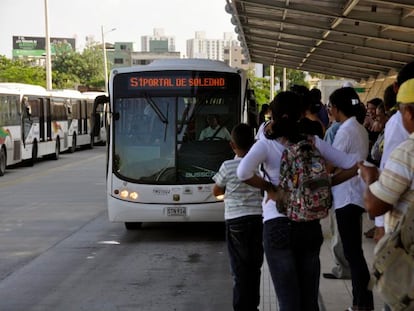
x=269, y=152
x=351, y=137
x=209, y=132
x=394, y=134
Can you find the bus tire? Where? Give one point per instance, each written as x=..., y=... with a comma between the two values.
x=56, y=155
x=33, y=159
x=133, y=225
x=72, y=149
x=3, y=161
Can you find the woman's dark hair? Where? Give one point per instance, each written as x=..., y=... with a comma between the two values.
x=382, y=108
x=315, y=96
x=242, y=135
x=390, y=98
x=286, y=112
x=360, y=113
x=375, y=101
x=346, y=100
x=304, y=95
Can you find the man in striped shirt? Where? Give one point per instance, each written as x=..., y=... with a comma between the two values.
x=392, y=192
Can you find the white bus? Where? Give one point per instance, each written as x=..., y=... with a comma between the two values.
x=85, y=127
x=98, y=117
x=32, y=124
x=157, y=168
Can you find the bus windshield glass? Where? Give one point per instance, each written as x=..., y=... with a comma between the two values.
x=173, y=127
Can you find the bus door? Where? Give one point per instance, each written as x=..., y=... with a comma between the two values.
x=84, y=112
x=99, y=115
x=77, y=115
x=42, y=120
x=26, y=118
x=48, y=118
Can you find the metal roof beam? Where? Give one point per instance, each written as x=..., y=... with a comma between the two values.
x=345, y=40
x=408, y=4
x=359, y=59
x=365, y=32
x=367, y=17
x=326, y=57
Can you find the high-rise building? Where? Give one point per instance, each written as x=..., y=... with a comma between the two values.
x=234, y=57
x=158, y=42
x=217, y=49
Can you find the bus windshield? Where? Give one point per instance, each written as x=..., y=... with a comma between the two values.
x=158, y=134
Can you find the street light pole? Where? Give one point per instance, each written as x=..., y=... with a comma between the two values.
x=48, y=56
x=104, y=56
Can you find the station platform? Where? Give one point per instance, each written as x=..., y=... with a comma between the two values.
x=334, y=295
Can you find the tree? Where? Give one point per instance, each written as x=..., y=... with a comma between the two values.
x=261, y=86
x=72, y=69
x=21, y=71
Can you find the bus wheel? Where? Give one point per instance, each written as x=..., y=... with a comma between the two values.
x=56, y=155
x=3, y=161
x=33, y=160
x=133, y=225
x=72, y=149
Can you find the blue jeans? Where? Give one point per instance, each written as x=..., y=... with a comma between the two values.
x=245, y=247
x=292, y=252
x=349, y=226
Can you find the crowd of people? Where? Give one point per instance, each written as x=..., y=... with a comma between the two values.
x=347, y=133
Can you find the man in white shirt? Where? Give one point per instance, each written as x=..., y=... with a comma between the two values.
x=214, y=131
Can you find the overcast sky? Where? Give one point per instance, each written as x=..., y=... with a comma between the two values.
x=131, y=18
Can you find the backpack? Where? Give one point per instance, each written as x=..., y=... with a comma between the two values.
x=305, y=182
x=393, y=265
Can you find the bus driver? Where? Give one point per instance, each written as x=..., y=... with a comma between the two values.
x=214, y=131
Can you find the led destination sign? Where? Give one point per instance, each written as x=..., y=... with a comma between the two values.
x=175, y=82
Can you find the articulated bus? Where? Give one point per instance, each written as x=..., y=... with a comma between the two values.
x=32, y=124
x=85, y=127
x=158, y=169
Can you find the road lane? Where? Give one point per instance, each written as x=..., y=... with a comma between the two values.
x=58, y=251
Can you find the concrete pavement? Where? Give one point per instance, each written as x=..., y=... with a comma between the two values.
x=334, y=295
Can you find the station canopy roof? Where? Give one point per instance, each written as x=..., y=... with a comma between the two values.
x=356, y=39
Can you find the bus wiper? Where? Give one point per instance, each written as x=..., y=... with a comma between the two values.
x=157, y=110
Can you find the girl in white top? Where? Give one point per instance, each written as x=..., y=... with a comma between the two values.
x=351, y=137
x=291, y=248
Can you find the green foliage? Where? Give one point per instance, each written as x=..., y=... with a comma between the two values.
x=21, y=72
x=69, y=69
x=72, y=68
x=261, y=86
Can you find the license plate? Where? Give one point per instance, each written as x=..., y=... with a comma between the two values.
x=176, y=211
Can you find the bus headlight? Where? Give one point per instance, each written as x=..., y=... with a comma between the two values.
x=133, y=195
x=124, y=194
x=220, y=197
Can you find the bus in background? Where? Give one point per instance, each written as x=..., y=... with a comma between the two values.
x=98, y=117
x=32, y=124
x=83, y=131
x=158, y=169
